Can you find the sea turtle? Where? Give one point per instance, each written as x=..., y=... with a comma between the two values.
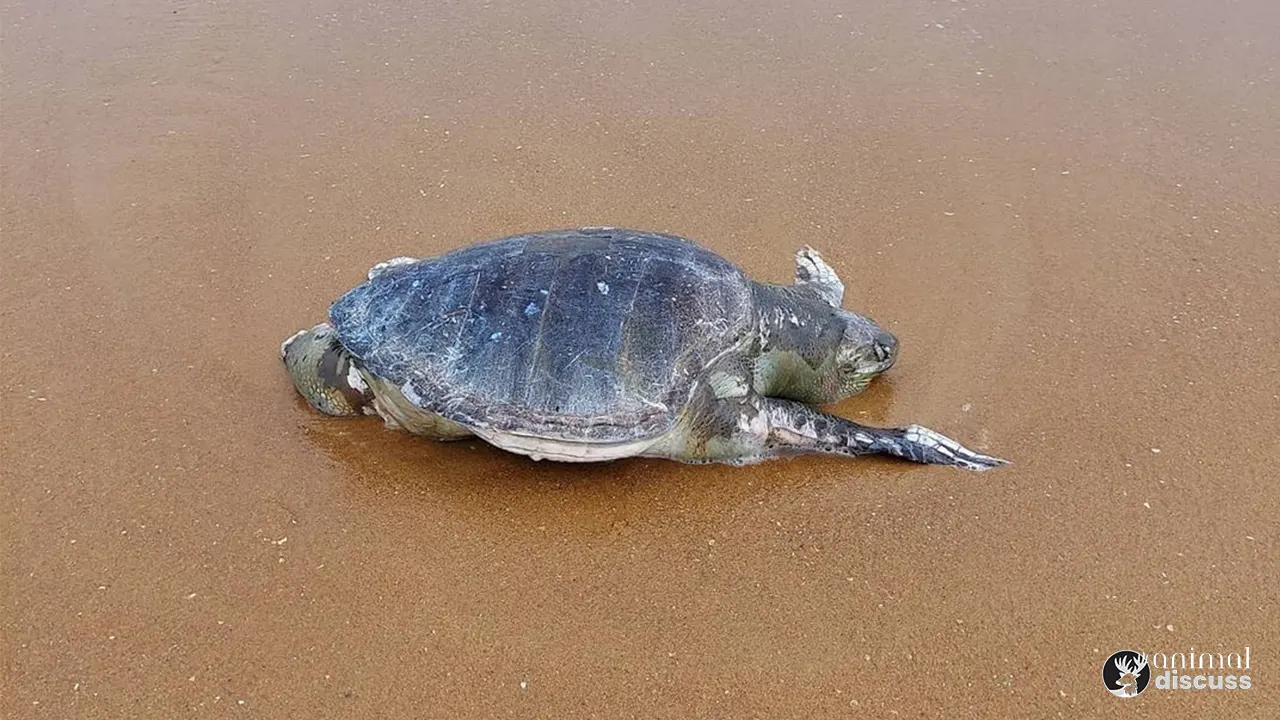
x=602, y=343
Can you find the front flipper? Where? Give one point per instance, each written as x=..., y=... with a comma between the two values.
x=815, y=275
x=795, y=428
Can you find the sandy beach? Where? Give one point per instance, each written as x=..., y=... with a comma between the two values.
x=1068, y=214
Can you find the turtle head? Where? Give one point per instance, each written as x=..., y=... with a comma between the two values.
x=865, y=351
x=324, y=372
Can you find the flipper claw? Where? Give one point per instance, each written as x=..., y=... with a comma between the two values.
x=929, y=446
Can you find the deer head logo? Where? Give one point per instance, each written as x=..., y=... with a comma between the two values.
x=1125, y=673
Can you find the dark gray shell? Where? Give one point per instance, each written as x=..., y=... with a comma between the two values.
x=593, y=335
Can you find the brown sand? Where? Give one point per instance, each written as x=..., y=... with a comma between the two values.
x=1070, y=216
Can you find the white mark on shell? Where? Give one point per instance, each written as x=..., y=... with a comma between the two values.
x=382, y=267
x=410, y=394
x=603, y=287
x=531, y=309
x=496, y=335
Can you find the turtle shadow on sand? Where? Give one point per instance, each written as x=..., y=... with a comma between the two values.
x=476, y=479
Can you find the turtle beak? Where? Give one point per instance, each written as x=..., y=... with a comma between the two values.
x=884, y=348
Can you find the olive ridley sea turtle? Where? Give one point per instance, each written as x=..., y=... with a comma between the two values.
x=603, y=343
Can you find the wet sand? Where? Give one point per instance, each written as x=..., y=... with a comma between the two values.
x=1069, y=216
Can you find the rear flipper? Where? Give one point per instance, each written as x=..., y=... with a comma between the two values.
x=795, y=428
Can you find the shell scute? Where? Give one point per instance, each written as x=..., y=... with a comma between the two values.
x=517, y=334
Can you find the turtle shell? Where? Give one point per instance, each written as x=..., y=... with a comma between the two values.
x=592, y=335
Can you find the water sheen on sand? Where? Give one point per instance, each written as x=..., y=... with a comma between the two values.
x=1067, y=212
